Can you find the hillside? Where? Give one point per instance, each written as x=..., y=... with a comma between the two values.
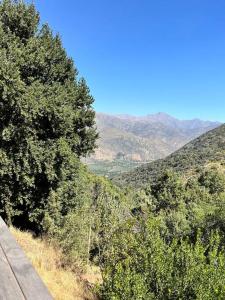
x=209, y=147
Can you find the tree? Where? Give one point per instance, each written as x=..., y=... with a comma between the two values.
x=213, y=180
x=168, y=191
x=47, y=119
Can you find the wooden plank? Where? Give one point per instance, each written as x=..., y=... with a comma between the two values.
x=29, y=281
x=9, y=288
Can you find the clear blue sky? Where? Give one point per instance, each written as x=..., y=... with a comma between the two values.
x=146, y=56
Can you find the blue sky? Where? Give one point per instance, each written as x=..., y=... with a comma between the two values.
x=145, y=56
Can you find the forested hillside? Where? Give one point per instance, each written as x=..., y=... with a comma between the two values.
x=208, y=148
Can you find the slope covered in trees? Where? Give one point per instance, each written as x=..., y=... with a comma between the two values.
x=208, y=148
x=173, y=245
x=178, y=219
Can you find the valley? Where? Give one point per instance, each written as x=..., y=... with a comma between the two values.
x=207, y=149
x=125, y=142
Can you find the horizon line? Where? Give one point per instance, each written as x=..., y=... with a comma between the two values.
x=157, y=113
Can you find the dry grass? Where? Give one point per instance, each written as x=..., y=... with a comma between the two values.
x=61, y=282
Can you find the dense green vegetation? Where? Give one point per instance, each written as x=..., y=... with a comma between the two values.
x=162, y=241
x=208, y=148
x=47, y=120
x=173, y=246
x=112, y=168
x=47, y=123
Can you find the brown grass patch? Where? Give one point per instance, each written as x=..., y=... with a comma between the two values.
x=48, y=262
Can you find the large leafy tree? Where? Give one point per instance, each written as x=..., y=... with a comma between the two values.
x=47, y=119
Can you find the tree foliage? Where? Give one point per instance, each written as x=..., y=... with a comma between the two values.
x=47, y=119
x=144, y=266
x=173, y=246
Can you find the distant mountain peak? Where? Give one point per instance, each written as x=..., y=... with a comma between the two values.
x=161, y=114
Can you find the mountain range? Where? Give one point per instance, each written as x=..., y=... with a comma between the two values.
x=145, y=138
x=126, y=141
x=206, y=150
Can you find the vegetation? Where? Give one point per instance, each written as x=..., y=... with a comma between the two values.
x=173, y=247
x=47, y=120
x=47, y=124
x=158, y=270
x=58, y=277
x=164, y=240
x=112, y=168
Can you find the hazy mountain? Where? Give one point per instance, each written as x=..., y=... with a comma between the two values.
x=144, y=138
x=207, y=149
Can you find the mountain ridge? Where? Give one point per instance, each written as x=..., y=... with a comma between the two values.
x=206, y=149
x=145, y=138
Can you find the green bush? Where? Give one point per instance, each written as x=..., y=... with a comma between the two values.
x=142, y=265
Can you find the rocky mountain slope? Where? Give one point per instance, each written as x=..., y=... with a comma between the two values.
x=207, y=149
x=144, y=138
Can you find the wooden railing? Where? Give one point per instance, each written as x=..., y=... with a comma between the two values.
x=18, y=279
